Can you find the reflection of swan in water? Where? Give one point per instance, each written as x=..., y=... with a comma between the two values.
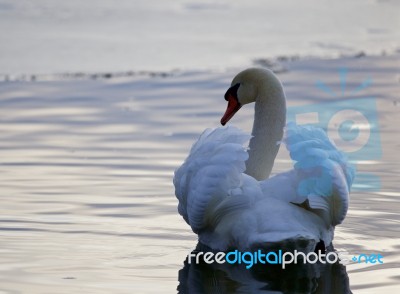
x=224, y=192
x=295, y=278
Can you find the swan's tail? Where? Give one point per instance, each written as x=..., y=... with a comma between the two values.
x=325, y=175
x=212, y=172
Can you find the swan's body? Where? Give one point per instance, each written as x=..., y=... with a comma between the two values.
x=224, y=191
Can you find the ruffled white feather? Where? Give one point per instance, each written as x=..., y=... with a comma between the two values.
x=228, y=208
x=213, y=171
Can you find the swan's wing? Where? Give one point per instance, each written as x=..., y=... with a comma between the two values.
x=322, y=173
x=211, y=174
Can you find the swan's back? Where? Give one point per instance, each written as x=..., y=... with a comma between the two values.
x=228, y=208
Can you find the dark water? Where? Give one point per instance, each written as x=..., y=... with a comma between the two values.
x=88, y=204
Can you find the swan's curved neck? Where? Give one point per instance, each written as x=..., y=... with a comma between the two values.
x=269, y=121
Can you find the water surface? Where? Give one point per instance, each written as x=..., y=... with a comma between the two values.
x=86, y=171
x=47, y=36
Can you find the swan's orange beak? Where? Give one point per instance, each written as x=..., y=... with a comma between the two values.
x=233, y=104
x=233, y=107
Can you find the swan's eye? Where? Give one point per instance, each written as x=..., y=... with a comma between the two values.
x=232, y=91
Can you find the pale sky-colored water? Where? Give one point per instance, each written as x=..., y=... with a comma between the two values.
x=46, y=36
x=88, y=203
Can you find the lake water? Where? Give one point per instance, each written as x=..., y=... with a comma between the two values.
x=47, y=36
x=86, y=169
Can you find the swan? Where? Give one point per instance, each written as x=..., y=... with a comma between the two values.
x=225, y=191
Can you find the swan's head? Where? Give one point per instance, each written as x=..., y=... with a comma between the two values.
x=246, y=88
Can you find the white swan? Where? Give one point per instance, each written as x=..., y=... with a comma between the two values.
x=224, y=191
